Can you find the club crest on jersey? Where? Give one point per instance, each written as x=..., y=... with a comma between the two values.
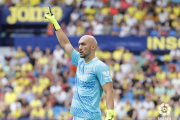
x=88, y=70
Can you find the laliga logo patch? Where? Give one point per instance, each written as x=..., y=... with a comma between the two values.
x=164, y=109
x=103, y=64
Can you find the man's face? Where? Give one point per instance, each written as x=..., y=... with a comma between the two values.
x=58, y=47
x=37, y=49
x=84, y=48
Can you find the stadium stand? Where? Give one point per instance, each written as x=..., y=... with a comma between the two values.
x=36, y=83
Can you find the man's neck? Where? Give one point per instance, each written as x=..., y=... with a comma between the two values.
x=89, y=58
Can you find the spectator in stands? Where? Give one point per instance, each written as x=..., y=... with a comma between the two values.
x=148, y=104
x=79, y=28
x=47, y=52
x=74, y=16
x=142, y=59
x=137, y=104
x=134, y=30
x=29, y=51
x=145, y=66
x=152, y=113
x=54, y=2
x=49, y=74
x=69, y=2
x=71, y=29
x=10, y=96
x=107, y=28
x=175, y=54
x=138, y=89
x=115, y=30
x=176, y=82
x=10, y=53
x=63, y=27
x=175, y=98
x=148, y=55
x=154, y=31
x=58, y=53
x=149, y=22
x=98, y=28
x=99, y=16
x=163, y=16
x=9, y=3
x=49, y=111
x=165, y=98
x=125, y=67
x=55, y=88
x=37, y=113
x=142, y=30
x=6, y=113
x=7, y=67
x=123, y=5
x=105, y=9
x=61, y=97
x=23, y=59
x=43, y=60
x=131, y=21
x=159, y=89
x=37, y=53
x=170, y=90
x=19, y=53
x=163, y=30
x=132, y=113
x=113, y=10
x=142, y=112
x=117, y=18
x=124, y=30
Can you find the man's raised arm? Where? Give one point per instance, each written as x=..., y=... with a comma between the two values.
x=62, y=38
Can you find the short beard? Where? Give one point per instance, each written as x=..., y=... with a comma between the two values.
x=85, y=56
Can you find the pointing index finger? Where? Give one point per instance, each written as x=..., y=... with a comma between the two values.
x=49, y=11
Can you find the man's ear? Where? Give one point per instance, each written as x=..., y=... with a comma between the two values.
x=93, y=47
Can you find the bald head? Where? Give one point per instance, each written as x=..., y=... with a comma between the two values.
x=89, y=40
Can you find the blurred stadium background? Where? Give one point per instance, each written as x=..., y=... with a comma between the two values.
x=138, y=40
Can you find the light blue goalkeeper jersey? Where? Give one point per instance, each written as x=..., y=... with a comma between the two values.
x=90, y=77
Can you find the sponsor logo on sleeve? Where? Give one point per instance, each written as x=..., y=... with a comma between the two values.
x=103, y=64
x=106, y=74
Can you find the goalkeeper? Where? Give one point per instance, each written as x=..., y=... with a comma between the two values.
x=92, y=76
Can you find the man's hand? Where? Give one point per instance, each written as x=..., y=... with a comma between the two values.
x=62, y=38
x=110, y=115
x=52, y=19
